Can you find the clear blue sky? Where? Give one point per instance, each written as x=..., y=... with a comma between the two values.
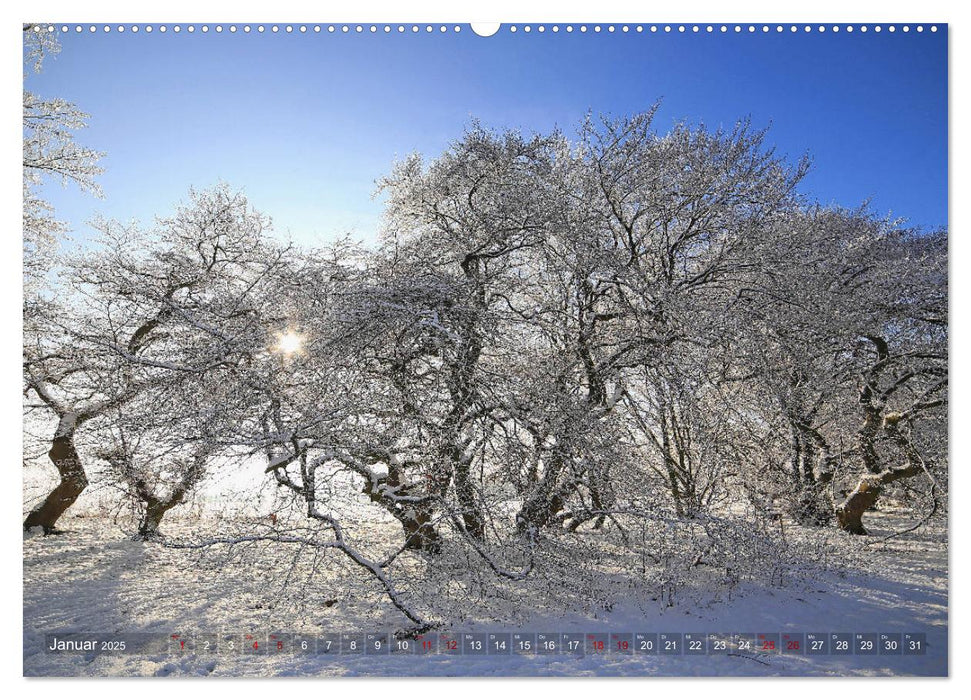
x=305, y=123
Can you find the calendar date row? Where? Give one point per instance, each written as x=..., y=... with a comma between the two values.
x=493, y=643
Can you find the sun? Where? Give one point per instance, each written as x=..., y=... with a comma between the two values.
x=289, y=342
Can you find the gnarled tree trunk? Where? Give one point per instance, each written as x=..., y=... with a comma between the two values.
x=73, y=481
x=472, y=517
x=420, y=532
x=537, y=511
x=156, y=508
x=849, y=514
x=415, y=514
x=545, y=501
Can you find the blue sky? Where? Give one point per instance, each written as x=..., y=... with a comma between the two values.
x=305, y=123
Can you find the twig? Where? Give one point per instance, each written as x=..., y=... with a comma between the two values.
x=750, y=658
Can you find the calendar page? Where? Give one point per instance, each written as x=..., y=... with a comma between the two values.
x=522, y=349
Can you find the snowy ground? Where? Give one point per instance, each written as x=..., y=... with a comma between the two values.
x=92, y=579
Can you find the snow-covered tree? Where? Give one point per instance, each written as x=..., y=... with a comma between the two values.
x=50, y=154
x=631, y=349
x=140, y=312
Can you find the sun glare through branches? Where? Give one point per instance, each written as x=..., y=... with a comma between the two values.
x=289, y=342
